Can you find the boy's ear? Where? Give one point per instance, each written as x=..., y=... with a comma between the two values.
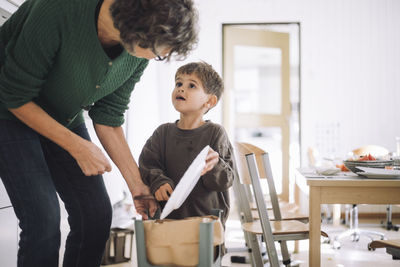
x=212, y=101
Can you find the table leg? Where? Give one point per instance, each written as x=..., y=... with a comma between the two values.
x=315, y=227
x=336, y=214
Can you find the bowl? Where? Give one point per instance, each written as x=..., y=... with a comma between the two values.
x=352, y=164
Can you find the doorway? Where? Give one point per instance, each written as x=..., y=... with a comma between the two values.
x=261, y=71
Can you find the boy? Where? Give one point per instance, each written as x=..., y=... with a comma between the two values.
x=173, y=146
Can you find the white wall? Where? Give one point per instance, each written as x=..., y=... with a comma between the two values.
x=350, y=69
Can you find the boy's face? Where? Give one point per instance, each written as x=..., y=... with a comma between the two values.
x=189, y=96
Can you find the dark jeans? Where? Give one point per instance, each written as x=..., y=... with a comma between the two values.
x=33, y=170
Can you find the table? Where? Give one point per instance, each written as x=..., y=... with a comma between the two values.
x=343, y=190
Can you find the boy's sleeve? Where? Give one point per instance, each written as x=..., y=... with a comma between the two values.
x=220, y=178
x=151, y=163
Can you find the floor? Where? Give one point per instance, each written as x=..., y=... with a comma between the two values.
x=350, y=254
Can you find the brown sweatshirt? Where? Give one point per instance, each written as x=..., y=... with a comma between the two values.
x=169, y=152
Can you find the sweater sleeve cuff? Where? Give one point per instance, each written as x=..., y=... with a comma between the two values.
x=219, y=178
x=11, y=104
x=159, y=182
x=104, y=118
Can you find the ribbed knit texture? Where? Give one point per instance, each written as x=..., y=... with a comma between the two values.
x=169, y=152
x=50, y=54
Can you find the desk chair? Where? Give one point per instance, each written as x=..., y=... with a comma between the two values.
x=392, y=247
x=388, y=224
x=355, y=232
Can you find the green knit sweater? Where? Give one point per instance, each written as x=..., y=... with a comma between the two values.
x=50, y=54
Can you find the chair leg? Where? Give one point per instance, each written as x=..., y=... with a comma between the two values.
x=255, y=248
x=206, y=249
x=285, y=253
x=388, y=224
x=141, y=245
x=368, y=233
x=251, y=239
x=264, y=220
x=296, y=246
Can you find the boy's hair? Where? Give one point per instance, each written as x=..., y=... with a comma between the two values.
x=209, y=78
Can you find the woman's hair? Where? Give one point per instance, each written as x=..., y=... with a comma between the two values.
x=209, y=78
x=157, y=24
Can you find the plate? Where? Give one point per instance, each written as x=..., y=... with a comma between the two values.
x=353, y=165
x=379, y=176
x=378, y=173
x=186, y=184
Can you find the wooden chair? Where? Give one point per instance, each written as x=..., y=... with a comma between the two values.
x=289, y=211
x=392, y=247
x=245, y=215
x=278, y=230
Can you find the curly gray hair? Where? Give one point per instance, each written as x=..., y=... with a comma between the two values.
x=157, y=23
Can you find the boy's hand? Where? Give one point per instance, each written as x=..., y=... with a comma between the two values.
x=211, y=160
x=163, y=192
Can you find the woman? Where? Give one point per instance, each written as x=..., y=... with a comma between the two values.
x=58, y=57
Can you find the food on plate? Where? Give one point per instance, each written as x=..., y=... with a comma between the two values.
x=377, y=151
x=366, y=157
x=363, y=158
x=342, y=167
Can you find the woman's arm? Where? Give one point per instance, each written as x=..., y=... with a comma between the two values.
x=114, y=142
x=89, y=157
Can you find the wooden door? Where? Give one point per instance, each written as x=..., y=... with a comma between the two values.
x=256, y=73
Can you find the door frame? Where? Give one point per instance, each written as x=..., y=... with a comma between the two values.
x=227, y=110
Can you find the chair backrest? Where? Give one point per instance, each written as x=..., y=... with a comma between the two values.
x=242, y=149
x=263, y=169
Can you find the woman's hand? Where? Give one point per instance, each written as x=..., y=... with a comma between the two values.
x=211, y=160
x=144, y=202
x=164, y=192
x=90, y=158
